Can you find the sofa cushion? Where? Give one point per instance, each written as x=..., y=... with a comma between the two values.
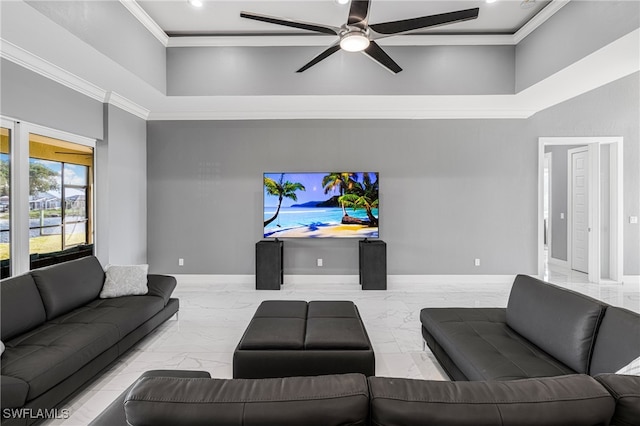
x=21, y=306
x=626, y=391
x=274, y=333
x=335, y=333
x=561, y=322
x=282, y=309
x=483, y=347
x=125, y=313
x=69, y=285
x=617, y=342
x=332, y=309
x=311, y=401
x=49, y=354
x=13, y=391
x=114, y=414
x=566, y=400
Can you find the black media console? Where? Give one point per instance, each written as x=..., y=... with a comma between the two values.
x=372, y=264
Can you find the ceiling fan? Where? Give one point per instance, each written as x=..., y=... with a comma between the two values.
x=357, y=35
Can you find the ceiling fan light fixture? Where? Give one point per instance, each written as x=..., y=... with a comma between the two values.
x=354, y=42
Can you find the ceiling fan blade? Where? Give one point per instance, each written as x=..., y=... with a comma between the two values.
x=319, y=28
x=375, y=52
x=324, y=55
x=358, y=13
x=407, y=25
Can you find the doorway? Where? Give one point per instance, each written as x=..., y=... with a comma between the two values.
x=593, y=228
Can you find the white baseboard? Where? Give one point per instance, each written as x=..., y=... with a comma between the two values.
x=631, y=279
x=394, y=281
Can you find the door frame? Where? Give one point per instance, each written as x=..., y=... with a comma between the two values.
x=616, y=204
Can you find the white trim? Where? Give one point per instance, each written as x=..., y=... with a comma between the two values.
x=539, y=19
x=20, y=200
x=214, y=279
x=548, y=157
x=395, y=282
x=59, y=134
x=616, y=191
x=326, y=40
x=631, y=279
x=51, y=71
x=127, y=105
x=146, y=20
x=595, y=202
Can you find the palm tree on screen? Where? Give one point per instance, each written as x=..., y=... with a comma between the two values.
x=281, y=189
x=338, y=180
x=363, y=195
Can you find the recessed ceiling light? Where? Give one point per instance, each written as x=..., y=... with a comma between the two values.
x=491, y=1
x=342, y=1
x=195, y=3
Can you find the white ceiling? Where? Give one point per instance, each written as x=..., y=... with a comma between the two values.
x=222, y=17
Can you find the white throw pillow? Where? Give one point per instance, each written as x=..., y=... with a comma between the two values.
x=633, y=368
x=125, y=280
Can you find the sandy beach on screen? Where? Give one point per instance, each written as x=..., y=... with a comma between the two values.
x=329, y=231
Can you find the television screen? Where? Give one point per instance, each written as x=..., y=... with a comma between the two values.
x=321, y=205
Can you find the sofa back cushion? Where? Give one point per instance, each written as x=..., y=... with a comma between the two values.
x=22, y=308
x=330, y=400
x=69, y=285
x=562, y=400
x=561, y=322
x=617, y=341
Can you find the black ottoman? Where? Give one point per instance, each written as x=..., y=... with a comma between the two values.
x=296, y=338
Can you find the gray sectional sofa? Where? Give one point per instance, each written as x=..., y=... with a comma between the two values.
x=544, y=331
x=189, y=398
x=59, y=335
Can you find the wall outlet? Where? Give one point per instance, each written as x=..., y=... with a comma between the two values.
x=477, y=262
x=561, y=215
x=633, y=219
x=181, y=262
x=319, y=262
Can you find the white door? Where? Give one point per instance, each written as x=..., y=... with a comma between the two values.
x=579, y=211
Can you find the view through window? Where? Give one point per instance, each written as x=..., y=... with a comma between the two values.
x=5, y=188
x=60, y=177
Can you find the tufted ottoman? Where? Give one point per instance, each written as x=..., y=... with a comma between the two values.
x=296, y=338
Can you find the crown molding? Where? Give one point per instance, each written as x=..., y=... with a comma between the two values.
x=51, y=71
x=539, y=19
x=319, y=40
x=152, y=26
x=125, y=104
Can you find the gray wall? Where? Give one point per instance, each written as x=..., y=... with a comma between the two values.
x=428, y=70
x=121, y=228
x=451, y=190
x=577, y=30
x=612, y=110
x=93, y=22
x=559, y=187
x=31, y=97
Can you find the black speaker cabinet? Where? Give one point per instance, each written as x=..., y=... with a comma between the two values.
x=269, y=265
x=373, y=264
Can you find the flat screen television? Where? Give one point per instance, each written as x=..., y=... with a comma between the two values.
x=321, y=205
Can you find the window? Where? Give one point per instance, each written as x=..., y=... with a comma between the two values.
x=5, y=213
x=60, y=175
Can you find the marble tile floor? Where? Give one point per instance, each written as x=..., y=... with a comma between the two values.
x=213, y=317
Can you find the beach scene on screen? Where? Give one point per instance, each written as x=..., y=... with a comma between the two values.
x=321, y=205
